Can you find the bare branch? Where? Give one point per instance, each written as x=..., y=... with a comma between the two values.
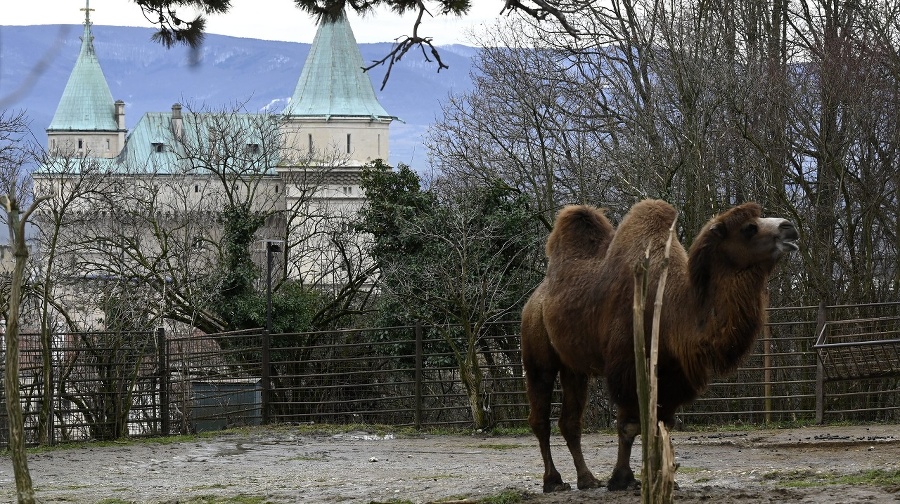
x=544, y=9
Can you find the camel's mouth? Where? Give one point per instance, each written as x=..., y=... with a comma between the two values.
x=789, y=236
x=790, y=245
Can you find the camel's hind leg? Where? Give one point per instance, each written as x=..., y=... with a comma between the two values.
x=575, y=393
x=539, y=384
x=628, y=425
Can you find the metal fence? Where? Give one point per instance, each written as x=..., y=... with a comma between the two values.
x=100, y=385
x=107, y=385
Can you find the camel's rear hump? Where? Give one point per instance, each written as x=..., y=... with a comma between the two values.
x=580, y=232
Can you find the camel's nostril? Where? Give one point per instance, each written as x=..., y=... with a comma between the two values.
x=788, y=231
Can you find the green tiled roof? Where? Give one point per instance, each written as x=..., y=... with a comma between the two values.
x=86, y=103
x=332, y=83
x=151, y=145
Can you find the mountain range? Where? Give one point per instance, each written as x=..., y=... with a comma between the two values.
x=258, y=75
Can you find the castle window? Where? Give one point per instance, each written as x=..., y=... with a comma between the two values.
x=348, y=143
x=310, y=143
x=158, y=147
x=196, y=188
x=276, y=189
x=107, y=144
x=253, y=148
x=80, y=143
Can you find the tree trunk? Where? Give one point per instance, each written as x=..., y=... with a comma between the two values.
x=24, y=488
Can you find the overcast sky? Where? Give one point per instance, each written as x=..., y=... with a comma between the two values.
x=261, y=19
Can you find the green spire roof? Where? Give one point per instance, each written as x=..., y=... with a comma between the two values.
x=86, y=103
x=332, y=83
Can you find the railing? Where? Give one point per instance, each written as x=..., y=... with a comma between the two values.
x=107, y=385
x=858, y=366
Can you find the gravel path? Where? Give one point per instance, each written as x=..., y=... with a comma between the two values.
x=286, y=465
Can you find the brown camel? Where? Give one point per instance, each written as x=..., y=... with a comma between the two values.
x=578, y=322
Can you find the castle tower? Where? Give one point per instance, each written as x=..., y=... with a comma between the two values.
x=87, y=121
x=334, y=110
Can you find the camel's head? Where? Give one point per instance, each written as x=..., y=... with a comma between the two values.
x=746, y=239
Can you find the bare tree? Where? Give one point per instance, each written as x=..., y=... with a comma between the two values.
x=18, y=204
x=74, y=186
x=705, y=105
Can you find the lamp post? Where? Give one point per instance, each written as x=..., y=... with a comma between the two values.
x=272, y=248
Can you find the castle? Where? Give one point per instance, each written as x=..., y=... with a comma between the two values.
x=183, y=169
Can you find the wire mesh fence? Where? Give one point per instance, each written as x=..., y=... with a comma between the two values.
x=106, y=385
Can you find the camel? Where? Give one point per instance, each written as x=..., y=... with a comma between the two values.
x=578, y=322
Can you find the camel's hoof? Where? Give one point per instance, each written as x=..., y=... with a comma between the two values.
x=616, y=484
x=588, y=483
x=556, y=487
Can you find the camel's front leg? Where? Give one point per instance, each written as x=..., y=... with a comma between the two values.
x=540, y=392
x=575, y=392
x=623, y=477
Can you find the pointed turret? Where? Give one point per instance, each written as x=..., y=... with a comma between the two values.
x=332, y=82
x=87, y=120
x=334, y=109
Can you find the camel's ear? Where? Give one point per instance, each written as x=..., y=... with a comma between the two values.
x=719, y=230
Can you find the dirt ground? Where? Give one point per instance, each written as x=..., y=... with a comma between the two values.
x=286, y=466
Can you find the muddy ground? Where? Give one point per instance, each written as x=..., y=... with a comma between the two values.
x=285, y=465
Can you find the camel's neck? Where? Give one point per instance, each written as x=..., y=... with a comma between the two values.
x=728, y=320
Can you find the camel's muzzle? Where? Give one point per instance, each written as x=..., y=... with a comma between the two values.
x=789, y=236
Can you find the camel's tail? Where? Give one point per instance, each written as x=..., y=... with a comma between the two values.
x=580, y=231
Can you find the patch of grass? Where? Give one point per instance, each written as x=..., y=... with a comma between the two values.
x=512, y=431
x=798, y=423
x=378, y=429
x=810, y=479
x=161, y=440
x=505, y=497
x=216, y=486
x=497, y=446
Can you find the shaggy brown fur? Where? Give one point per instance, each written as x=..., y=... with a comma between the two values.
x=578, y=322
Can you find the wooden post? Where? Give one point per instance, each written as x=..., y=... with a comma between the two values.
x=658, y=473
x=821, y=319
x=163, y=364
x=767, y=372
x=265, y=378
x=418, y=388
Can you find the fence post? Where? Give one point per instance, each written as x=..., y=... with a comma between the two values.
x=767, y=372
x=264, y=378
x=821, y=318
x=163, y=356
x=418, y=374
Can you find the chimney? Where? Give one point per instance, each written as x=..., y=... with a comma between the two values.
x=177, y=122
x=120, y=125
x=120, y=114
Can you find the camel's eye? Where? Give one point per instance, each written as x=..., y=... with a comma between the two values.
x=750, y=230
